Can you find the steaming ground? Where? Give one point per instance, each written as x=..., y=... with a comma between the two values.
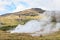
x=42, y=26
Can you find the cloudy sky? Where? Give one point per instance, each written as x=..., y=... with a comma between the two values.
x=8, y=6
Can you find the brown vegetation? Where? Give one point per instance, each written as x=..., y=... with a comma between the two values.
x=7, y=36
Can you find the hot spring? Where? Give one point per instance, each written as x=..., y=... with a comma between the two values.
x=41, y=26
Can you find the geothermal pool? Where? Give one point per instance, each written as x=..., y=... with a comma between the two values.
x=38, y=27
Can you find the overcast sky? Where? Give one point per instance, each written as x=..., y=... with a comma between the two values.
x=8, y=6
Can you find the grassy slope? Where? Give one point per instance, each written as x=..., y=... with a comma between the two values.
x=10, y=18
x=14, y=19
x=8, y=36
x=10, y=22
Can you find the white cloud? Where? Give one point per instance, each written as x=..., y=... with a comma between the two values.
x=57, y=4
x=3, y=5
x=50, y=4
x=1, y=9
x=44, y=4
x=19, y=8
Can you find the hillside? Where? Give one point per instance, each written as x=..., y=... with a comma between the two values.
x=10, y=20
x=21, y=17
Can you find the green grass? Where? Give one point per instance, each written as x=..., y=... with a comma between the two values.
x=5, y=28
